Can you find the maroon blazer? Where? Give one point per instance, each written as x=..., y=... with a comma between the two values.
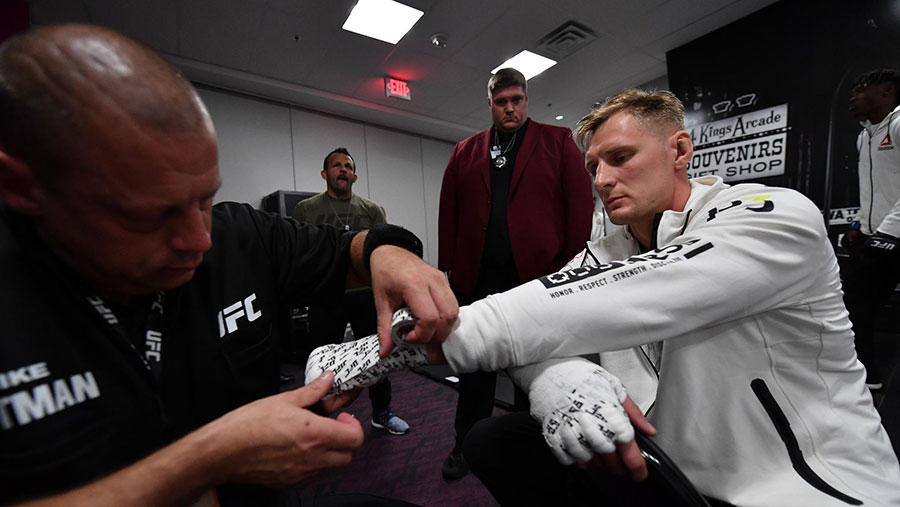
x=549, y=208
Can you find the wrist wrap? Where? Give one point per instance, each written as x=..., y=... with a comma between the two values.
x=386, y=234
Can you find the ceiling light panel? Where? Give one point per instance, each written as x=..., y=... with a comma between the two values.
x=528, y=63
x=385, y=20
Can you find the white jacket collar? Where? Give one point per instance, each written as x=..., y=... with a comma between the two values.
x=673, y=223
x=866, y=124
x=619, y=243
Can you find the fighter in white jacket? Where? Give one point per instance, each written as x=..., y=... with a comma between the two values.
x=879, y=175
x=761, y=399
x=873, y=270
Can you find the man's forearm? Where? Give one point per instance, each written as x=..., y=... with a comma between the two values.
x=273, y=440
x=358, y=275
x=175, y=475
x=364, y=244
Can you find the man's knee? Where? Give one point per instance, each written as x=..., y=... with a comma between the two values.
x=475, y=442
x=501, y=440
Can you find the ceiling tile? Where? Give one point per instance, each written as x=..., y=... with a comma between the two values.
x=330, y=69
x=219, y=31
x=47, y=12
x=154, y=23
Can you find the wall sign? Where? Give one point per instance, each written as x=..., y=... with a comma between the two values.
x=842, y=216
x=397, y=88
x=742, y=147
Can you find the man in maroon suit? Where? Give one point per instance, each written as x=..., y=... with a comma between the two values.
x=515, y=205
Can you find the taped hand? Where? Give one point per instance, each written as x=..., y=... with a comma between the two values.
x=579, y=405
x=357, y=364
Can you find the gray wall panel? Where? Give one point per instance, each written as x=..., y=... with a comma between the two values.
x=315, y=135
x=254, y=146
x=435, y=155
x=266, y=146
x=395, y=177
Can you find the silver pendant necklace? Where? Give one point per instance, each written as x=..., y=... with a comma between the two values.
x=500, y=159
x=344, y=225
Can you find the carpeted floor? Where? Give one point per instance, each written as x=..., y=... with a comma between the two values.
x=406, y=467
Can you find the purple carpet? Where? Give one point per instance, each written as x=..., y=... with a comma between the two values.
x=406, y=467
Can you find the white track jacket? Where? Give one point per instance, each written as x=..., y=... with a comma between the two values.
x=761, y=399
x=879, y=175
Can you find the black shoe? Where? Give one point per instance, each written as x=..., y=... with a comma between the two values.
x=455, y=466
x=286, y=379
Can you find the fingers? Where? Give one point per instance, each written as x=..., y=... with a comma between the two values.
x=314, y=391
x=598, y=441
x=317, y=363
x=332, y=442
x=398, y=278
x=447, y=309
x=611, y=462
x=637, y=418
x=581, y=437
x=556, y=447
x=573, y=445
x=625, y=461
x=333, y=459
x=343, y=433
x=434, y=312
x=338, y=401
x=346, y=431
x=435, y=354
x=385, y=313
x=346, y=418
x=630, y=456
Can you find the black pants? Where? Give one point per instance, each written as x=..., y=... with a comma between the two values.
x=327, y=325
x=508, y=454
x=868, y=279
x=476, y=390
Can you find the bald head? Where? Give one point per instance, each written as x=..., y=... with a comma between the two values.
x=60, y=84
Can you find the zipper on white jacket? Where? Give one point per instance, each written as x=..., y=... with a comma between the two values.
x=871, y=183
x=783, y=427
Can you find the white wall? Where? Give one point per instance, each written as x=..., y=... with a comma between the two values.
x=435, y=155
x=266, y=146
x=315, y=135
x=255, y=154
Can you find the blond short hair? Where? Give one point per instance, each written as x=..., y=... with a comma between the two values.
x=650, y=109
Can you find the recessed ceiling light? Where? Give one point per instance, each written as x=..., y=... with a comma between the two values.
x=559, y=117
x=439, y=40
x=385, y=20
x=528, y=63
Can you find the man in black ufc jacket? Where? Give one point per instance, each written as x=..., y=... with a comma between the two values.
x=137, y=348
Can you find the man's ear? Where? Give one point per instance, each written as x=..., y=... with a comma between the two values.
x=684, y=150
x=353, y=177
x=324, y=175
x=18, y=187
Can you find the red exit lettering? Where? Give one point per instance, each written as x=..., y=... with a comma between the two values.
x=396, y=88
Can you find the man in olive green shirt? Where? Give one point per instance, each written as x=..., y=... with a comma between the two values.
x=339, y=207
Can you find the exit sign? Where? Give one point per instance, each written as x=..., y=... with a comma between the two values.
x=396, y=88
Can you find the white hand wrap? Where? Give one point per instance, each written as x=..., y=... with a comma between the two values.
x=579, y=405
x=356, y=364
